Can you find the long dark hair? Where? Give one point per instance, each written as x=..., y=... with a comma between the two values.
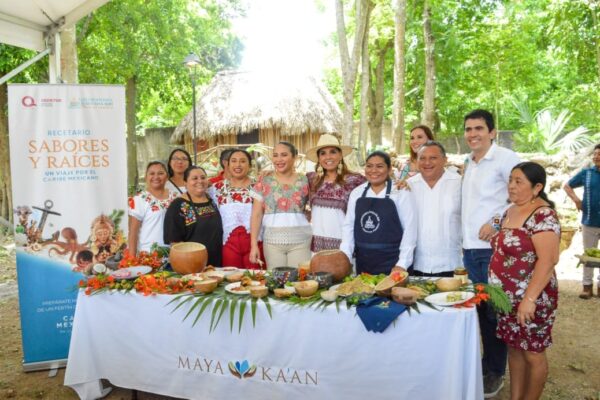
x=535, y=174
x=319, y=177
x=428, y=133
x=169, y=169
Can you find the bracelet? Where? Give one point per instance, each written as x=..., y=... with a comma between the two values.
x=530, y=299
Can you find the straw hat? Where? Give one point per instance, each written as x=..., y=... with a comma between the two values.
x=327, y=140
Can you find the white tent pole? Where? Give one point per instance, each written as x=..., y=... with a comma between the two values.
x=26, y=64
x=54, y=61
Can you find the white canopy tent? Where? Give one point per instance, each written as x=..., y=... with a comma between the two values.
x=36, y=25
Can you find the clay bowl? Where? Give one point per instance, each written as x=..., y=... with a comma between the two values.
x=234, y=277
x=258, y=291
x=306, y=288
x=333, y=261
x=188, y=257
x=206, y=286
x=285, y=274
x=325, y=279
x=448, y=284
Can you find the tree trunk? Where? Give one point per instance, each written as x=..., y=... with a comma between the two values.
x=68, y=56
x=132, y=171
x=399, y=76
x=5, y=183
x=349, y=63
x=365, y=78
x=376, y=98
x=428, y=114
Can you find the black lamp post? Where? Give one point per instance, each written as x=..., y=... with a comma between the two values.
x=191, y=62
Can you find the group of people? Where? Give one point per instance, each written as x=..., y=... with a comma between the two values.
x=495, y=219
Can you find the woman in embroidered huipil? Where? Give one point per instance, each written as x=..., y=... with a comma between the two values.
x=194, y=217
x=233, y=197
x=525, y=253
x=147, y=210
x=279, y=204
x=330, y=187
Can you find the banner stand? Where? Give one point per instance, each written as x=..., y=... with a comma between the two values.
x=68, y=160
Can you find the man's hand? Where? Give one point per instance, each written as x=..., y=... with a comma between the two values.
x=486, y=232
x=578, y=204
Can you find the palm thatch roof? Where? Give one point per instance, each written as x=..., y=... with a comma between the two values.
x=241, y=101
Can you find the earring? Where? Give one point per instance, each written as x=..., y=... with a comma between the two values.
x=320, y=169
x=340, y=168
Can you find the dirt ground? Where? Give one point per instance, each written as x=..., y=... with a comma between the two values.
x=574, y=358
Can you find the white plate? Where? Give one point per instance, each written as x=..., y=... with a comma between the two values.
x=439, y=299
x=227, y=270
x=134, y=272
x=229, y=288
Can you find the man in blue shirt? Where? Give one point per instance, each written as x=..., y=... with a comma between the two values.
x=589, y=178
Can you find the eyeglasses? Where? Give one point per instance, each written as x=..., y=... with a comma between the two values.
x=179, y=159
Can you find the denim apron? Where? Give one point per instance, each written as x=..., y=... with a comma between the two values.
x=377, y=233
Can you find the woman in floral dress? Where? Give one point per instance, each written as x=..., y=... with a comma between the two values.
x=525, y=253
x=330, y=187
x=279, y=205
x=147, y=210
x=233, y=197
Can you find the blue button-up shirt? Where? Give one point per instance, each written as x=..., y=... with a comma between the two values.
x=589, y=178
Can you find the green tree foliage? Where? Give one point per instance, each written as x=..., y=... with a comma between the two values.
x=493, y=53
x=148, y=40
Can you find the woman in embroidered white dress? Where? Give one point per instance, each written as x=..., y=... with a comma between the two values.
x=330, y=187
x=233, y=197
x=147, y=210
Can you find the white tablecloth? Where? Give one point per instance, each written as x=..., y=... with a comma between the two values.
x=136, y=342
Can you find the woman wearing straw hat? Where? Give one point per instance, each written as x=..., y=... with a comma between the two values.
x=330, y=187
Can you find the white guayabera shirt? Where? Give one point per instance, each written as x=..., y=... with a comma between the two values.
x=439, y=244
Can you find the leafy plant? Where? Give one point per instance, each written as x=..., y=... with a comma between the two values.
x=546, y=133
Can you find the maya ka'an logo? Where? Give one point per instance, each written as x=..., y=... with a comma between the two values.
x=369, y=222
x=242, y=369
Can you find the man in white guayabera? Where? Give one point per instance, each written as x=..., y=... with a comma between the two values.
x=484, y=200
x=436, y=193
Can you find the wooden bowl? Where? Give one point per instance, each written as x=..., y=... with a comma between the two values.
x=188, y=257
x=234, y=277
x=404, y=295
x=448, y=284
x=258, y=291
x=333, y=261
x=206, y=286
x=306, y=288
x=219, y=276
x=329, y=295
x=282, y=293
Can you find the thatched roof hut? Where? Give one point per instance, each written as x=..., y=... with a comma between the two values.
x=250, y=107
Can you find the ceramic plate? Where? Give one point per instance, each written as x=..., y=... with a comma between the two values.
x=229, y=288
x=228, y=270
x=130, y=272
x=441, y=299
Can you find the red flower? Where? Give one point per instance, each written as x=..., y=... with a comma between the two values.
x=131, y=203
x=283, y=204
x=237, y=197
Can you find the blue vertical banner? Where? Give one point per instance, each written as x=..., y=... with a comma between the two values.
x=69, y=179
